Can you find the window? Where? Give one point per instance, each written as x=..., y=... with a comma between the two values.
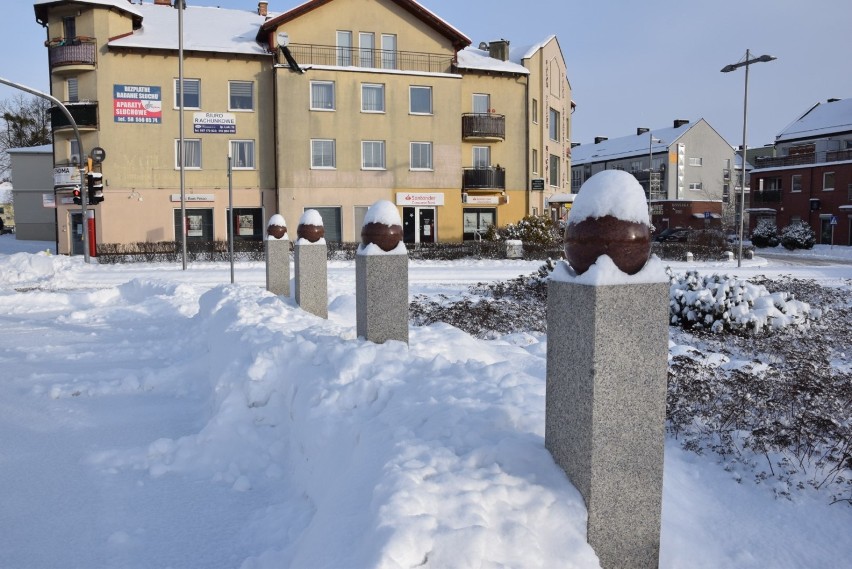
x=199, y=224
x=372, y=98
x=420, y=100
x=481, y=156
x=74, y=151
x=695, y=186
x=367, y=48
x=69, y=27
x=696, y=161
x=191, y=153
x=73, y=92
x=554, y=125
x=421, y=155
x=323, y=154
x=828, y=182
x=240, y=96
x=481, y=103
x=554, y=170
x=322, y=95
x=248, y=224
x=388, y=51
x=635, y=166
x=344, y=48
x=796, y=183
x=535, y=111
x=331, y=222
x=373, y=154
x=535, y=160
x=242, y=154
x=360, y=214
x=191, y=93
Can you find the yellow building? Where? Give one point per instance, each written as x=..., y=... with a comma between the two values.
x=332, y=105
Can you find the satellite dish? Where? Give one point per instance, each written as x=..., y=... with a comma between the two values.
x=283, y=39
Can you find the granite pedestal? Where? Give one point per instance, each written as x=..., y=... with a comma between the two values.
x=311, y=277
x=607, y=349
x=381, y=297
x=278, y=266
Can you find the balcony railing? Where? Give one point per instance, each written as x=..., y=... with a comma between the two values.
x=490, y=178
x=71, y=51
x=803, y=159
x=311, y=54
x=484, y=126
x=766, y=196
x=85, y=115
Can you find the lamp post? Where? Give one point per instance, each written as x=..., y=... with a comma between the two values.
x=727, y=69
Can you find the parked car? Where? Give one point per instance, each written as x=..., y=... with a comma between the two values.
x=673, y=234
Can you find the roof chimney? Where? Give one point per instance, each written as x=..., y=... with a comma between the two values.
x=599, y=139
x=641, y=130
x=163, y=2
x=680, y=122
x=499, y=49
x=262, y=8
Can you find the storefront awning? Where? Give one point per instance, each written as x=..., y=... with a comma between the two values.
x=561, y=198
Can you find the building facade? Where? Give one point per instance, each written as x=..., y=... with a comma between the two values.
x=809, y=178
x=32, y=194
x=688, y=171
x=331, y=105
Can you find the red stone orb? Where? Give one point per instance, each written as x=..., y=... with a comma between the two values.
x=387, y=237
x=627, y=243
x=310, y=233
x=277, y=231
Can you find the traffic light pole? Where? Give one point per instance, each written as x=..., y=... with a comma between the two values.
x=67, y=113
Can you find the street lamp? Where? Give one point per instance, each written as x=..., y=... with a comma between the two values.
x=727, y=69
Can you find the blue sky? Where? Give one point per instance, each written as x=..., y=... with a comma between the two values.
x=630, y=63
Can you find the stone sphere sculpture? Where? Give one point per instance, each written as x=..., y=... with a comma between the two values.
x=310, y=226
x=277, y=227
x=382, y=226
x=609, y=217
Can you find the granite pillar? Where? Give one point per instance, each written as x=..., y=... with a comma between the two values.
x=311, y=277
x=381, y=296
x=278, y=266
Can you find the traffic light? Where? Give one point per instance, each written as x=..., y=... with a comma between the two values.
x=96, y=188
x=78, y=198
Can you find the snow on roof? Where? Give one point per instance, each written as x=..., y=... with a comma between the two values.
x=820, y=120
x=633, y=145
x=41, y=6
x=472, y=58
x=206, y=29
x=43, y=149
x=520, y=53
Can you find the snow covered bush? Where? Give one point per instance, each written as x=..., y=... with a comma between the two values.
x=765, y=234
x=721, y=303
x=532, y=230
x=798, y=236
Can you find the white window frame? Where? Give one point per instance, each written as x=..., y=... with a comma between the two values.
x=231, y=95
x=366, y=49
x=177, y=92
x=411, y=90
x=344, y=49
x=431, y=164
x=73, y=151
x=481, y=156
x=251, y=163
x=554, y=159
x=534, y=160
x=696, y=186
x=825, y=176
x=380, y=87
x=793, y=183
x=186, y=142
x=372, y=145
x=479, y=97
x=696, y=161
x=72, y=86
x=316, y=141
x=389, y=51
x=535, y=111
x=555, y=125
x=313, y=105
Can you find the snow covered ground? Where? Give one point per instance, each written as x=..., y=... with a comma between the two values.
x=153, y=417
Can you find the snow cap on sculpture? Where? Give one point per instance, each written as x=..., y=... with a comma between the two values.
x=310, y=227
x=277, y=227
x=609, y=217
x=382, y=226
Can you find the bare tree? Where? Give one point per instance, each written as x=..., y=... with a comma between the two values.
x=26, y=122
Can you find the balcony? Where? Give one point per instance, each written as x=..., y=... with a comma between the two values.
x=490, y=178
x=766, y=197
x=71, y=55
x=310, y=54
x=85, y=115
x=483, y=126
x=803, y=159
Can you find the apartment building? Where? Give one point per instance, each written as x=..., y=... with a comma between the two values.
x=809, y=178
x=688, y=171
x=331, y=105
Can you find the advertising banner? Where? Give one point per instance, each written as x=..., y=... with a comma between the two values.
x=214, y=123
x=138, y=104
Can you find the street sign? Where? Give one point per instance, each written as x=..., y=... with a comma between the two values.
x=98, y=154
x=834, y=220
x=706, y=215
